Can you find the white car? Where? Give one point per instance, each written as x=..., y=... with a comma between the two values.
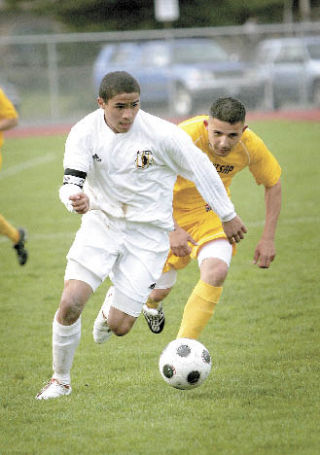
x=290, y=69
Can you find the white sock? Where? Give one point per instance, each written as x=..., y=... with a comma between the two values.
x=65, y=339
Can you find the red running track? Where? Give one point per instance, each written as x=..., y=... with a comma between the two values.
x=51, y=130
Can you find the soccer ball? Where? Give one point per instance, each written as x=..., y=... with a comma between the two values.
x=185, y=363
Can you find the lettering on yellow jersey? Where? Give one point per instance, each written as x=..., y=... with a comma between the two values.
x=223, y=169
x=144, y=159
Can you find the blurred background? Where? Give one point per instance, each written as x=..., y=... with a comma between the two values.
x=184, y=53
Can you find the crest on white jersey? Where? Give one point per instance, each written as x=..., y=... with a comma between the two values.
x=144, y=159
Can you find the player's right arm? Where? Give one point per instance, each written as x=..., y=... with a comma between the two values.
x=77, y=162
x=80, y=203
x=179, y=241
x=71, y=192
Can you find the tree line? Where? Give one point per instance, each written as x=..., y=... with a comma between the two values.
x=111, y=15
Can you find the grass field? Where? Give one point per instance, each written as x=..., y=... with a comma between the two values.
x=262, y=396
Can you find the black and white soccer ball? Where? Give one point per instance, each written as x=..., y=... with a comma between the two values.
x=185, y=363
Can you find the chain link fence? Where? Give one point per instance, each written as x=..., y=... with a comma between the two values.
x=51, y=76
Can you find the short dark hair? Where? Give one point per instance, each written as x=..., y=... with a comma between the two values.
x=228, y=109
x=117, y=82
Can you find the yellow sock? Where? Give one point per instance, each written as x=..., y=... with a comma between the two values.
x=9, y=230
x=152, y=303
x=199, y=309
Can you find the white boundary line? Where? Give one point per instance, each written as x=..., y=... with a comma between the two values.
x=252, y=224
x=14, y=170
x=286, y=221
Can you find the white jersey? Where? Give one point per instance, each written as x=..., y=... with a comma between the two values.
x=131, y=175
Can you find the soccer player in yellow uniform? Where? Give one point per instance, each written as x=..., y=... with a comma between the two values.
x=8, y=120
x=231, y=146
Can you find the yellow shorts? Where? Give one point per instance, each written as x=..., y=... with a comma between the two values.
x=203, y=227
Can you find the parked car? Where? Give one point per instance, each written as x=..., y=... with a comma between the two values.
x=290, y=68
x=181, y=72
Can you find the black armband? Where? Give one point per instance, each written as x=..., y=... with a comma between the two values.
x=74, y=177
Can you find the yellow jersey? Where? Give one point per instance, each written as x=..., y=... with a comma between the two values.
x=7, y=110
x=189, y=208
x=249, y=151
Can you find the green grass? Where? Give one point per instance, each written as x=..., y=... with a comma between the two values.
x=262, y=396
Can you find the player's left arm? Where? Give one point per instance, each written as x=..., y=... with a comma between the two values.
x=191, y=163
x=265, y=251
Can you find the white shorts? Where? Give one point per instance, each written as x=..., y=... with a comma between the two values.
x=220, y=249
x=131, y=254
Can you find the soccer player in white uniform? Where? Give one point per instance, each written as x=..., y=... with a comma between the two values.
x=120, y=168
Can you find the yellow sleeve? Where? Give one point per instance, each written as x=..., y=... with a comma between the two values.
x=263, y=165
x=7, y=109
x=195, y=128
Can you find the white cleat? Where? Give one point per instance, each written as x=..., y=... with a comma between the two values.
x=54, y=390
x=101, y=331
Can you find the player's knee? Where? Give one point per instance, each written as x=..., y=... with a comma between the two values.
x=157, y=295
x=215, y=275
x=219, y=278
x=70, y=308
x=120, y=326
x=120, y=329
x=73, y=300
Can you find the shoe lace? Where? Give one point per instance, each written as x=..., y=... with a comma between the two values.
x=55, y=382
x=155, y=318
